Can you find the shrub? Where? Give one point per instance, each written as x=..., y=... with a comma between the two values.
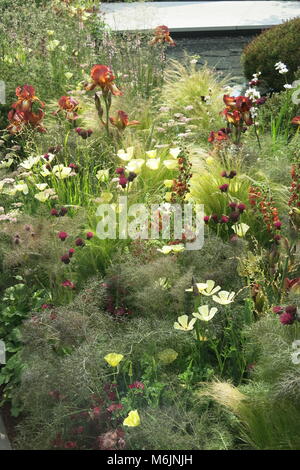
x=280, y=43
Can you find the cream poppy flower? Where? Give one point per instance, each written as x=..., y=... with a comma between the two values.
x=153, y=163
x=41, y=186
x=204, y=313
x=174, y=152
x=240, y=229
x=126, y=156
x=170, y=164
x=21, y=187
x=151, y=153
x=184, y=324
x=200, y=286
x=224, y=297
x=30, y=162
x=210, y=289
x=135, y=165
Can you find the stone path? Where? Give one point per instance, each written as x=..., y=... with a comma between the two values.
x=198, y=16
x=4, y=442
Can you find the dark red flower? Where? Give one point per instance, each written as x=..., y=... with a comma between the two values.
x=71, y=252
x=62, y=236
x=131, y=176
x=68, y=283
x=120, y=171
x=292, y=309
x=70, y=445
x=287, y=318
x=114, y=407
x=63, y=211
x=232, y=205
x=79, y=242
x=215, y=218
x=224, y=219
x=241, y=207
x=234, y=216
x=137, y=384
x=206, y=219
x=65, y=259
x=224, y=188
x=54, y=212
x=123, y=181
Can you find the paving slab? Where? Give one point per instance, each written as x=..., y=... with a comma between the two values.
x=4, y=442
x=198, y=16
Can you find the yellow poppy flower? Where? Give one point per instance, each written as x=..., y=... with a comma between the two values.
x=133, y=419
x=114, y=359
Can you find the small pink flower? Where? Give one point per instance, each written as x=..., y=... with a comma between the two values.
x=120, y=171
x=224, y=219
x=206, y=219
x=89, y=235
x=63, y=236
x=71, y=252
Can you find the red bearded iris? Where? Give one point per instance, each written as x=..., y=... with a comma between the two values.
x=70, y=105
x=103, y=76
x=122, y=121
x=162, y=34
x=22, y=113
x=238, y=110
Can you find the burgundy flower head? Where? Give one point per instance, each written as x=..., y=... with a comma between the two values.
x=224, y=188
x=287, y=318
x=62, y=236
x=65, y=259
x=79, y=242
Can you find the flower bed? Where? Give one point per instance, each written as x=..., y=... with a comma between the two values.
x=149, y=243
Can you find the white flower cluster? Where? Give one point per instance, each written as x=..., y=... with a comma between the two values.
x=281, y=67
x=253, y=94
